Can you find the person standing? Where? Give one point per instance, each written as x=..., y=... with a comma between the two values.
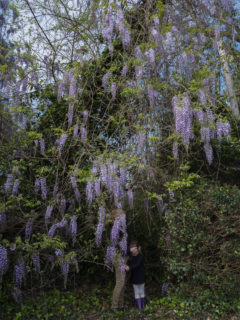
x=136, y=265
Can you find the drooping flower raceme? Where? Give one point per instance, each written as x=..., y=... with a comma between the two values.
x=3, y=261
x=100, y=225
x=73, y=228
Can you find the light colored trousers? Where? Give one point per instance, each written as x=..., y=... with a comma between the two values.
x=118, y=292
x=139, y=290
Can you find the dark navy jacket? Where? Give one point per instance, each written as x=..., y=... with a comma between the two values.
x=136, y=265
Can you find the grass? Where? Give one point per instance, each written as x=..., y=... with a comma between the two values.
x=93, y=302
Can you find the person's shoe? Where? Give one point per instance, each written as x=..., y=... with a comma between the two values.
x=143, y=302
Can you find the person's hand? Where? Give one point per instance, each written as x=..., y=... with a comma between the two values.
x=127, y=268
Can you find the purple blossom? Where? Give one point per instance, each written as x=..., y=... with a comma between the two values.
x=73, y=228
x=37, y=185
x=200, y=115
x=155, y=35
x=3, y=261
x=210, y=115
x=226, y=128
x=205, y=134
x=152, y=95
x=124, y=71
x=139, y=72
x=113, y=90
x=77, y=194
x=62, y=141
x=52, y=230
x=141, y=139
x=43, y=187
x=28, y=229
x=119, y=225
x=171, y=194
x=58, y=252
x=175, y=149
x=94, y=168
x=156, y=22
x=209, y=152
x=42, y=146
x=217, y=31
x=73, y=88
x=70, y=115
x=74, y=181
x=62, y=223
x=75, y=130
x=202, y=97
x=110, y=252
x=116, y=190
x=19, y=272
x=36, y=262
x=89, y=191
x=123, y=244
x=97, y=187
x=130, y=198
x=103, y=174
x=9, y=183
x=48, y=214
x=83, y=134
x=15, y=187
x=164, y=288
x=85, y=116
x=168, y=41
x=106, y=78
x=150, y=55
x=123, y=176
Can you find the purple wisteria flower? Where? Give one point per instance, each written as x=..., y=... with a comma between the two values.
x=52, y=230
x=200, y=115
x=171, y=194
x=152, y=95
x=9, y=183
x=139, y=72
x=73, y=228
x=124, y=71
x=48, y=214
x=168, y=41
x=3, y=261
x=43, y=187
x=119, y=225
x=164, y=288
x=58, y=252
x=36, y=262
x=160, y=203
x=110, y=252
x=85, y=116
x=42, y=146
x=70, y=115
x=103, y=174
x=100, y=226
x=209, y=152
x=73, y=87
x=89, y=191
x=106, y=78
x=156, y=35
x=75, y=131
x=77, y=194
x=141, y=139
x=156, y=22
x=150, y=55
x=97, y=187
x=83, y=134
x=37, y=185
x=74, y=181
x=36, y=143
x=226, y=129
x=123, y=176
x=28, y=229
x=123, y=244
x=116, y=189
x=19, y=272
x=130, y=198
x=202, y=97
x=15, y=187
x=62, y=141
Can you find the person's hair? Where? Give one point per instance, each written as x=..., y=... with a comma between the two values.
x=134, y=243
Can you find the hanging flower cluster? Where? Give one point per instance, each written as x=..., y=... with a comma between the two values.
x=183, y=114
